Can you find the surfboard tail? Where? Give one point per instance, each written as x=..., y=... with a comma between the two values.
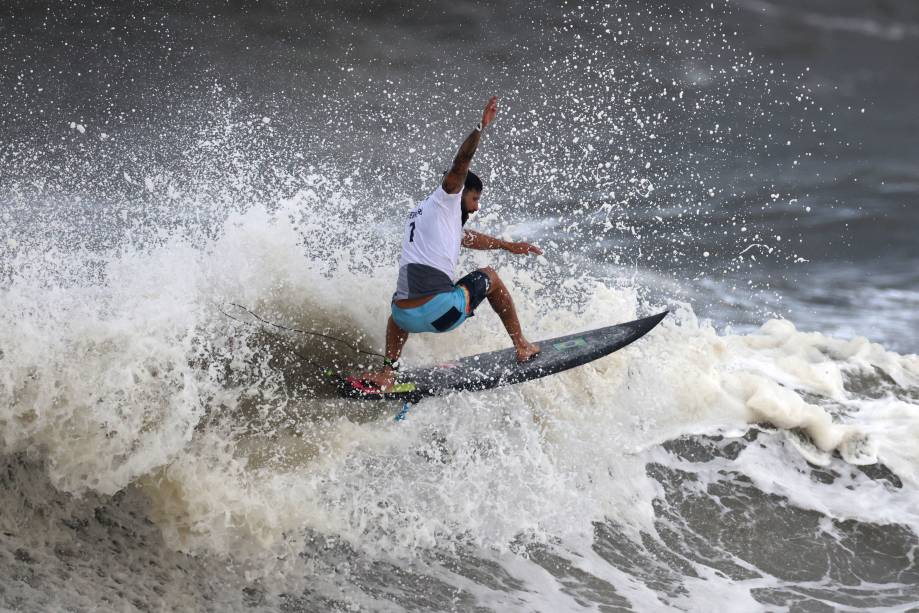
x=355, y=387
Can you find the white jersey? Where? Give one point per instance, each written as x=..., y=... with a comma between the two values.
x=430, y=245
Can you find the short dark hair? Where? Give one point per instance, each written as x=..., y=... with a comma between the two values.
x=473, y=182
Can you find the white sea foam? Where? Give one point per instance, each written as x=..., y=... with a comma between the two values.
x=110, y=374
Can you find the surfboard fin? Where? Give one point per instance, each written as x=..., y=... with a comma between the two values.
x=400, y=416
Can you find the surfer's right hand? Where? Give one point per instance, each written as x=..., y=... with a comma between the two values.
x=491, y=109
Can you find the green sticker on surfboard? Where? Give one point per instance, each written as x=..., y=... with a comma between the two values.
x=571, y=344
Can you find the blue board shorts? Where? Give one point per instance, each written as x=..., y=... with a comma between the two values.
x=446, y=310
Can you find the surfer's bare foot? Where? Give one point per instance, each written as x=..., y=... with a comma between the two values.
x=527, y=351
x=383, y=380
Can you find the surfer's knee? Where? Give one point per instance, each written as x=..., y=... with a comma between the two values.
x=493, y=279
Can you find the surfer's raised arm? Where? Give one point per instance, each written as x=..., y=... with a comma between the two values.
x=453, y=182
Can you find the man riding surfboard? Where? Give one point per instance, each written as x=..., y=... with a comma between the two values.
x=426, y=298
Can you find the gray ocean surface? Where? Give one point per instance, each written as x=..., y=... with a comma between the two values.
x=173, y=177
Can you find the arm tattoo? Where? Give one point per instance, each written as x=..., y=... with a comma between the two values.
x=453, y=182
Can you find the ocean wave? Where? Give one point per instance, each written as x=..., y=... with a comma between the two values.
x=137, y=377
x=862, y=25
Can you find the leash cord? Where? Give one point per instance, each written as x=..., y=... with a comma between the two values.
x=325, y=336
x=324, y=369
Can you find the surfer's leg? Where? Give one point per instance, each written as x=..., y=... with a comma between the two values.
x=395, y=341
x=502, y=303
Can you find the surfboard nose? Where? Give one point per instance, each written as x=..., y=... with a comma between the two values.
x=647, y=323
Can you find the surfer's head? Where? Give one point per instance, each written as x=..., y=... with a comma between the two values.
x=472, y=191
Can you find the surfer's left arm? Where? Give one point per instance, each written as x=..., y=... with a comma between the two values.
x=477, y=240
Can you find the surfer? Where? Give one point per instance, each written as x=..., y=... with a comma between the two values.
x=426, y=298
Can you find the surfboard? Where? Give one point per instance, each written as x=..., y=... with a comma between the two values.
x=498, y=368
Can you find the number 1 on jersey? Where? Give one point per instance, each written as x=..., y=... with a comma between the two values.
x=411, y=235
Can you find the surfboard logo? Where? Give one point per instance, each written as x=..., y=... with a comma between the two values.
x=575, y=342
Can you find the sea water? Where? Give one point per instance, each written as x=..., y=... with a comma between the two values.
x=164, y=448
